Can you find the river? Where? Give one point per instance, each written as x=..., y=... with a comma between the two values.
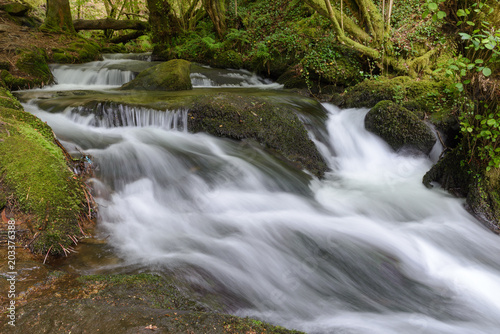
x=367, y=249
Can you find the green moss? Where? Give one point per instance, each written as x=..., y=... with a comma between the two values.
x=4, y=65
x=291, y=78
x=154, y=290
x=85, y=50
x=7, y=100
x=34, y=167
x=275, y=126
x=228, y=59
x=168, y=76
x=15, y=8
x=423, y=95
x=399, y=127
x=63, y=58
x=16, y=83
x=34, y=63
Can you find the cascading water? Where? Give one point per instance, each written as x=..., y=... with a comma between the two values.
x=368, y=249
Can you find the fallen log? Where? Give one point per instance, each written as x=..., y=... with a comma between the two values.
x=108, y=23
x=127, y=37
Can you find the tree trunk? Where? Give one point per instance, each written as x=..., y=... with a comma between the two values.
x=109, y=24
x=217, y=12
x=164, y=24
x=58, y=16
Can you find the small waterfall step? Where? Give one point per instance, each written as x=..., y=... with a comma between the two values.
x=205, y=76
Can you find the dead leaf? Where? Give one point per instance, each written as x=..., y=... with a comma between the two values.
x=4, y=217
x=151, y=327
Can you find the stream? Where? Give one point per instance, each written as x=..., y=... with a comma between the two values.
x=367, y=249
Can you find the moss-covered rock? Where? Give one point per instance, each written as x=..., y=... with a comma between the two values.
x=424, y=95
x=63, y=57
x=34, y=63
x=276, y=126
x=168, y=76
x=399, y=127
x=35, y=169
x=292, y=78
x=85, y=50
x=228, y=59
x=15, y=83
x=15, y=8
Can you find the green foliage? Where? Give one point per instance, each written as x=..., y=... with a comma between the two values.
x=480, y=116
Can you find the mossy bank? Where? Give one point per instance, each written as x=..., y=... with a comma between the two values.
x=38, y=181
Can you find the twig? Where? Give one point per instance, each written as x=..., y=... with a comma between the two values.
x=81, y=230
x=34, y=238
x=441, y=140
x=64, y=249
x=88, y=202
x=73, y=239
x=47, y=254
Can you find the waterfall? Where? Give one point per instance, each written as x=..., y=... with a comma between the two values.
x=367, y=249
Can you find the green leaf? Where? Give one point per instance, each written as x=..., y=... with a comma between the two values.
x=486, y=71
x=469, y=129
x=459, y=86
x=425, y=13
x=470, y=23
x=441, y=15
x=432, y=6
x=465, y=36
x=489, y=46
x=479, y=61
x=491, y=122
x=461, y=13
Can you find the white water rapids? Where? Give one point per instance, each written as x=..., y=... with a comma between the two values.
x=368, y=249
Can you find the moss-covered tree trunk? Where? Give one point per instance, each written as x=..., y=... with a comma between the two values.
x=217, y=12
x=163, y=22
x=367, y=33
x=58, y=16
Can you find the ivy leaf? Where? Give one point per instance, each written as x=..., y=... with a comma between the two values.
x=486, y=71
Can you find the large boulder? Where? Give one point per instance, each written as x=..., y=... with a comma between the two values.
x=15, y=8
x=275, y=126
x=399, y=127
x=168, y=76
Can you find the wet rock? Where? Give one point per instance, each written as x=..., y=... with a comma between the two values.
x=172, y=75
x=275, y=126
x=143, y=303
x=399, y=127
